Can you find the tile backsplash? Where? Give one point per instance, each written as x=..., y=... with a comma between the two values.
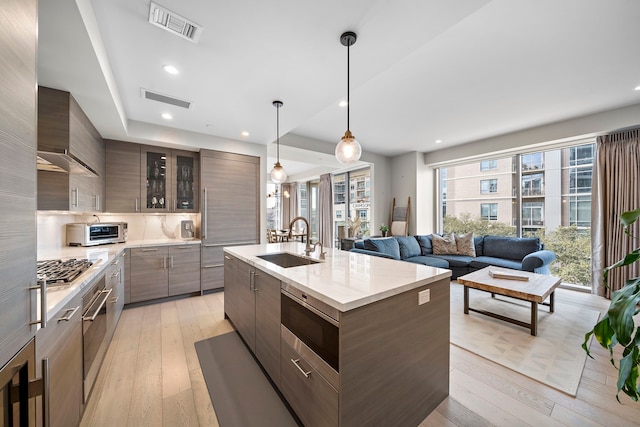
x=52, y=234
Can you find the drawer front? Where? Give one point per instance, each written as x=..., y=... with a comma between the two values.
x=312, y=398
x=212, y=255
x=212, y=277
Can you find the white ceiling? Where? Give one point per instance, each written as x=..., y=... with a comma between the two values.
x=421, y=70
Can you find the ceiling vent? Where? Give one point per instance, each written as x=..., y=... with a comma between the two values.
x=174, y=23
x=155, y=96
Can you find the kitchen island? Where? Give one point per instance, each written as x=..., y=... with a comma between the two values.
x=350, y=340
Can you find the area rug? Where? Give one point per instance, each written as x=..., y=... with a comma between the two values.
x=553, y=357
x=239, y=390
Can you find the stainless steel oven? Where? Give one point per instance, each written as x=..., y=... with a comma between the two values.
x=94, y=332
x=309, y=321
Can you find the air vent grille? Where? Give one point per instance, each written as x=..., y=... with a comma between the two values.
x=155, y=96
x=174, y=23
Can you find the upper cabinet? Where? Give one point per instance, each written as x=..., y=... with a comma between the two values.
x=143, y=178
x=18, y=41
x=71, y=155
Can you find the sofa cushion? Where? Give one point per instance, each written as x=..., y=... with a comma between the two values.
x=457, y=260
x=428, y=260
x=485, y=261
x=465, y=244
x=426, y=247
x=409, y=247
x=478, y=242
x=387, y=245
x=510, y=247
x=443, y=245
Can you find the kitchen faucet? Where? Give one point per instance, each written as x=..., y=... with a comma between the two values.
x=307, y=248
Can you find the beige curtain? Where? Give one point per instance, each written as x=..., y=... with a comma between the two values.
x=288, y=205
x=615, y=189
x=325, y=211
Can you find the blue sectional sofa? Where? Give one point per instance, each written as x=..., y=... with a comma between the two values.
x=526, y=254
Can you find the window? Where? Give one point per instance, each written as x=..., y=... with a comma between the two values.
x=532, y=214
x=488, y=165
x=546, y=194
x=488, y=186
x=532, y=185
x=489, y=211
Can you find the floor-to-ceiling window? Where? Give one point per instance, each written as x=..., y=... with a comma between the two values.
x=545, y=194
x=273, y=206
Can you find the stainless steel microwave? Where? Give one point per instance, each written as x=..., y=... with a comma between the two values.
x=83, y=234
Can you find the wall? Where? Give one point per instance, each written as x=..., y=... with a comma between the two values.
x=152, y=226
x=404, y=183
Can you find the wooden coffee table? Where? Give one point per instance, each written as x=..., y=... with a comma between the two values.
x=535, y=290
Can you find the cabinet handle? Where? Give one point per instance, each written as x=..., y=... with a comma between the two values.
x=295, y=362
x=115, y=300
x=46, y=418
x=69, y=313
x=97, y=202
x=213, y=266
x=43, y=303
x=251, y=273
x=136, y=205
x=116, y=274
x=184, y=247
x=205, y=209
x=227, y=257
x=164, y=262
x=115, y=262
x=171, y=261
x=123, y=254
x=74, y=203
x=149, y=249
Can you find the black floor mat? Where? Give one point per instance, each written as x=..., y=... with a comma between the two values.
x=240, y=392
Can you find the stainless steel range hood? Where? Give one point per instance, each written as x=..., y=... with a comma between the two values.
x=61, y=160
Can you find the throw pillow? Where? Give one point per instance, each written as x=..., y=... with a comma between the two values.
x=409, y=247
x=444, y=245
x=387, y=245
x=464, y=244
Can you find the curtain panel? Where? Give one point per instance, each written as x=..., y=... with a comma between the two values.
x=615, y=189
x=325, y=211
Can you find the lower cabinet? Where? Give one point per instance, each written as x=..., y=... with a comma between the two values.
x=254, y=309
x=312, y=398
x=162, y=271
x=115, y=274
x=60, y=342
x=212, y=267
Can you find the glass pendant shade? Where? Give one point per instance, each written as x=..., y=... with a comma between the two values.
x=348, y=149
x=278, y=175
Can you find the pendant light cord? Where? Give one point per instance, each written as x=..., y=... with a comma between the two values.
x=348, y=103
x=278, y=130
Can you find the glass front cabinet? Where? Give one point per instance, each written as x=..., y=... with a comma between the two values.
x=171, y=183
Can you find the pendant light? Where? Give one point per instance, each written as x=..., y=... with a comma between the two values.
x=278, y=175
x=348, y=149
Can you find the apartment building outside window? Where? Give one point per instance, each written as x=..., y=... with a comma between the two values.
x=546, y=194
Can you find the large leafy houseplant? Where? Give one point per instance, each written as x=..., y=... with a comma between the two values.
x=617, y=326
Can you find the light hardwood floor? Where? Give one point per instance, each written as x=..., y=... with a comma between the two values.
x=151, y=377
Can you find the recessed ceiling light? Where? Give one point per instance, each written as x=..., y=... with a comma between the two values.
x=637, y=88
x=343, y=103
x=438, y=141
x=170, y=69
x=245, y=133
x=167, y=116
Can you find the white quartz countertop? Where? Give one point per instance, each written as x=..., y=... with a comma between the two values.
x=102, y=255
x=344, y=280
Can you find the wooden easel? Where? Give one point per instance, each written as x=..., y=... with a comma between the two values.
x=400, y=218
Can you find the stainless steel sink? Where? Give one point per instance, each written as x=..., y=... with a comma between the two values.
x=286, y=260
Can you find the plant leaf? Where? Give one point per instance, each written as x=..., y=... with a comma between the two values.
x=622, y=309
x=628, y=374
x=628, y=218
x=604, y=332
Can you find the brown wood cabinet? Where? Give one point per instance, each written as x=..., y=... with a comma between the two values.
x=145, y=178
x=230, y=209
x=162, y=271
x=254, y=309
x=115, y=281
x=61, y=343
x=122, y=176
x=17, y=175
x=62, y=125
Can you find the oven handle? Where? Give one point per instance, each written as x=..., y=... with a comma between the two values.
x=88, y=318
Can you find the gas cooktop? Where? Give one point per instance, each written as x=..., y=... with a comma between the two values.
x=61, y=272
